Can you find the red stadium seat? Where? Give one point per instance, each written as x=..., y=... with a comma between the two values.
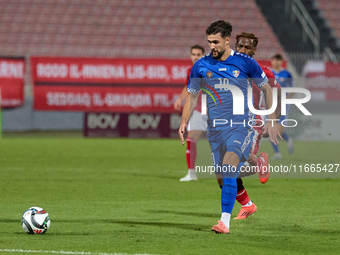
x=127, y=24
x=331, y=11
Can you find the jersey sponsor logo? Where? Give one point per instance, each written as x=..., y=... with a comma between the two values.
x=222, y=69
x=263, y=74
x=209, y=74
x=236, y=73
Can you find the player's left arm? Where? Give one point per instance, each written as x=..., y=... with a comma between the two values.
x=261, y=81
x=270, y=127
x=278, y=109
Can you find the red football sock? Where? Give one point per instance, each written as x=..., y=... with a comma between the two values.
x=242, y=197
x=191, y=153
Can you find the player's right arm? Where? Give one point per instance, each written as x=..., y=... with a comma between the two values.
x=189, y=106
x=184, y=94
x=194, y=86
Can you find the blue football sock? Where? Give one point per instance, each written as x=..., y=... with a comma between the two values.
x=275, y=147
x=285, y=136
x=228, y=194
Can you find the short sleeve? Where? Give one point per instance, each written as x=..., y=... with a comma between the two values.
x=194, y=83
x=256, y=73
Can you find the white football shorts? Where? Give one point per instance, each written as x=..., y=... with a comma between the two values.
x=197, y=121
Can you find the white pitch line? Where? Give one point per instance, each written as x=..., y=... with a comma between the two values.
x=67, y=252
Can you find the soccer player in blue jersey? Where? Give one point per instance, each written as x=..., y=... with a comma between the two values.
x=226, y=74
x=286, y=80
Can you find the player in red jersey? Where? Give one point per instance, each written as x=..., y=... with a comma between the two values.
x=197, y=123
x=247, y=43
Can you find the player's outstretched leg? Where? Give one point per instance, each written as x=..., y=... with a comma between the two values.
x=191, y=153
x=228, y=195
x=233, y=162
x=262, y=164
x=248, y=207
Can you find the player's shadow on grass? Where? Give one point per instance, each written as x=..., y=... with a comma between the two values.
x=130, y=223
x=187, y=226
x=205, y=215
x=51, y=233
x=8, y=221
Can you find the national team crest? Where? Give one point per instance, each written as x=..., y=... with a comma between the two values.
x=209, y=74
x=236, y=73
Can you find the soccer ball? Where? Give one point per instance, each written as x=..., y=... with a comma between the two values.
x=35, y=220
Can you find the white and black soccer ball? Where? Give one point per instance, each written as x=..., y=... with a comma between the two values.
x=35, y=220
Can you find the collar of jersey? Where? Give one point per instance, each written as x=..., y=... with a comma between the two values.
x=231, y=54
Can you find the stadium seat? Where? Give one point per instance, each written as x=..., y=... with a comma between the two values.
x=160, y=26
x=331, y=11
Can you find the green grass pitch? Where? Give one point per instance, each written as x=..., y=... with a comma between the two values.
x=124, y=196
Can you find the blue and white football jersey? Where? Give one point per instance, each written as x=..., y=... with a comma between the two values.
x=284, y=78
x=215, y=77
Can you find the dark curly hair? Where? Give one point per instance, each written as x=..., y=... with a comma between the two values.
x=220, y=26
x=250, y=36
